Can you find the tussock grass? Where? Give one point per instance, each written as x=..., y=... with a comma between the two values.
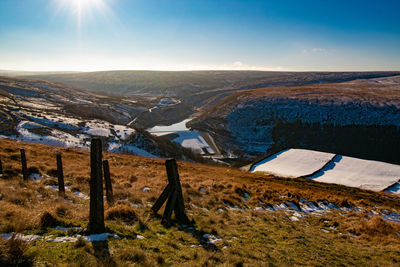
x=122, y=212
x=248, y=237
x=14, y=252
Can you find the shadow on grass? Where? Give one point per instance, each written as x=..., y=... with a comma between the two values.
x=192, y=229
x=102, y=253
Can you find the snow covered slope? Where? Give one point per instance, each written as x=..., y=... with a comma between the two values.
x=293, y=163
x=366, y=174
x=61, y=115
x=329, y=168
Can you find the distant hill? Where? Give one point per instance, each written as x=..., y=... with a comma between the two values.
x=183, y=83
x=14, y=73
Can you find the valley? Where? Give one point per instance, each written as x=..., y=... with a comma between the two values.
x=290, y=199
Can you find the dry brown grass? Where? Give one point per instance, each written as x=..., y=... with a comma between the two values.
x=122, y=212
x=131, y=173
x=374, y=228
x=206, y=189
x=14, y=252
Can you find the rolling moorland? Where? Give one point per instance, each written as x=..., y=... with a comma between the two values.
x=239, y=218
x=62, y=115
x=358, y=118
x=245, y=124
x=249, y=114
x=191, y=91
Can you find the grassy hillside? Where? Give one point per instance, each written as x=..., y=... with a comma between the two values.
x=233, y=225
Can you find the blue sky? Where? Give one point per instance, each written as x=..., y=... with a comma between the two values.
x=203, y=34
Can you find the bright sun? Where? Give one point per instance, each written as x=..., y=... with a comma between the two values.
x=82, y=8
x=80, y=5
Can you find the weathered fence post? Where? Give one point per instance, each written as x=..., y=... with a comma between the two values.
x=23, y=163
x=1, y=167
x=179, y=208
x=96, y=217
x=60, y=175
x=107, y=179
x=173, y=192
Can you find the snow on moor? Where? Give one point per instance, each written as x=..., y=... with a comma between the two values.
x=185, y=137
x=189, y=139
x=366, y=174
x=330, y=168
x=60, y=130
x=293, y=163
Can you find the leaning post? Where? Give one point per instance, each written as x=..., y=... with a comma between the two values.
x=1, y=167
x=107, y=179
x=60, y=175
x=173, y=195
x=96, y=217
x=23, y=163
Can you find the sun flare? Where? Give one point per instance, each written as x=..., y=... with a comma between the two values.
x=82, y=9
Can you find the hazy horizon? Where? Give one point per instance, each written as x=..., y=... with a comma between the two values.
x=106, y=35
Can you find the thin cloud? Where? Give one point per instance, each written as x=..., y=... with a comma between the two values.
x=318, y=49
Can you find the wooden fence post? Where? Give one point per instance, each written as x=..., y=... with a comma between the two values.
x=173, y=192
x=96, y=217
x=107, y=179
x=60, y=175
x=23, y=163
x=1, y=167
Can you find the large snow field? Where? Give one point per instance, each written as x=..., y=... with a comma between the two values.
x=55, y=138
x=98, y=128
x=194, y=141
x=366, y=174
x=329, y=168
x=190, y=139
x=293, y=163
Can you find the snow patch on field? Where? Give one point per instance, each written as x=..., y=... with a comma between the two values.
x=123, y=132
x=365, y=174
x=61, y=239
x=293, y=163
x=98, y=128
x=328, y=168
x=190, y=139
x=56, y=137
x=126, y=148
x=52, y=120
x=37, y=104
x=193, y=140
x=26, y=238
